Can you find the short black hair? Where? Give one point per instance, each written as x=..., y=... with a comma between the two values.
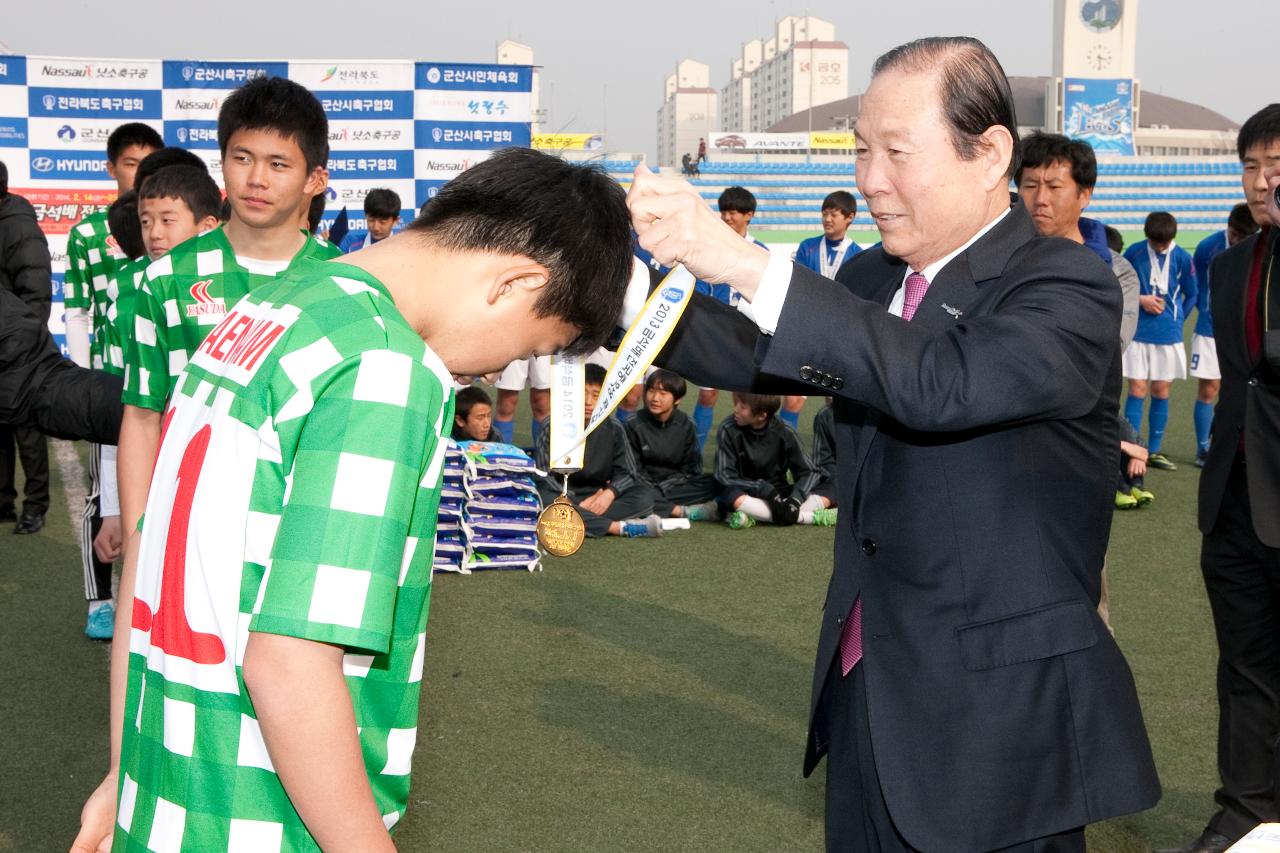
x=667, y=380
x=4, y=179
x=973, y=91
x=1261, y=128
x=594, y=374
x=382, y=203
x=737, y=199
x=760, y=404
x=193, y=186
x=841, y=200
x=1160, y=227
x=315, y=212
x=162, y=158
x=280, y=106
x=129, y=134
x=123, y=222
x=569, y=217
x=1115, y=240
x=1241, y=220
x=1044, y=149
x=468, y=398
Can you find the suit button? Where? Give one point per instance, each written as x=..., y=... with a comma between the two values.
x=840, y=620
x=837, y=384
x=869, y=547
x=1253, y=382
x=806, y=373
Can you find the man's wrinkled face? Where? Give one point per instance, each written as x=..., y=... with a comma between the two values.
x=1053, y=198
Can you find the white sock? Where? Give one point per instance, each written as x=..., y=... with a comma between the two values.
x=806, y=509
x=756, y=508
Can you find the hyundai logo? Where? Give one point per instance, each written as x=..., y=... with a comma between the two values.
x=42, y=164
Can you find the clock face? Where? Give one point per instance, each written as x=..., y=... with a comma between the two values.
x=1101, y=16
x=1099, y=57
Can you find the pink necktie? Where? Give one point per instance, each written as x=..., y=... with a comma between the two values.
x=851, y=636
x=916, y=286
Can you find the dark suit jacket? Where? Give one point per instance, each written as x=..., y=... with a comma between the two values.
x=1249, y=400
x=976, y=456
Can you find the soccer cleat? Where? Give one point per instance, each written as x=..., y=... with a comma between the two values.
x=1201, y=455
x=825, y=517
x=1159, y=460
x=101, y=623
x=739, y=520
x=1143, y=497
x=648, y=526
x=709, y=511
x=1124, y=501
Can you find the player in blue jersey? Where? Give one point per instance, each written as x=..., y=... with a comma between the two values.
x=827, y=253
x=1204, y=351
x=1156, y=357
x=381, y=216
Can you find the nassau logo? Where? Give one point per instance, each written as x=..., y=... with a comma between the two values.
x=66, y=133
x=205, y=305
x=328, y=75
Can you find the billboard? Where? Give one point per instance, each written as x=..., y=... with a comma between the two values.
x=409, y=126
x=568, y=141
x=759, y=141
x=1100, y=112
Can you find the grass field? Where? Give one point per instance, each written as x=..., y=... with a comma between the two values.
x=641, y=696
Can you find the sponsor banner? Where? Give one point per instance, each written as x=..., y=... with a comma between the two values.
x=759, y=141
x=122, y=104
x=373, y=135
x=59, y=209
x=199, y=74
x=370, y=165
x=13, y=70
x=128, y=74
x=434, y=165
x=843, y=140
x=427, y=190
x=72, y=134
x=350, y=75
x=462, y=105
x=1100, y=112
x=57, y=165
x=470, y=135
x=494, y=78
x=13, y=101
x=14, y=133
x=185, y=104
x=367, y=105
x=568, y=141
x=350, y=194
x=191, y=134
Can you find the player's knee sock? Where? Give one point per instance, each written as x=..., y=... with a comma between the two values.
x=1158, y=420
x=1133, y=412
x=1204, y=423
x=756, y=508
x=791, y=419
x=506, y=429
x=536, y=428
x=702, y=423
x=811, y=503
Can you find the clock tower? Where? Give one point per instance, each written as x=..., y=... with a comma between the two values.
x=1095, y=38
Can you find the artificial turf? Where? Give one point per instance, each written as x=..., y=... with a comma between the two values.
x=643, y=695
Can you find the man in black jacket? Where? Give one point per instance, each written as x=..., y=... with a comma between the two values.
x=24, y=272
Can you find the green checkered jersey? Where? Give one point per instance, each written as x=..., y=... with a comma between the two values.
x=182, y=296
x=295, y=493
x=93, y=257
x=118, y=327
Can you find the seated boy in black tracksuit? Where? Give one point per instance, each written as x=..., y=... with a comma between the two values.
x=473, y=416
x=612, y=498
x=823, y=495
x=664, y=442
x=755, y=453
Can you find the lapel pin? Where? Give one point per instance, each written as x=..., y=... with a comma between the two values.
x=954, y=312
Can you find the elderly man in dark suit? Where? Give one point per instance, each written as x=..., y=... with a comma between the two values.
x=1240, y=504
x=966, y=694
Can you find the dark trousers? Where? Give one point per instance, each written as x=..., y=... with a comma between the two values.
x=33, y=451
x=858, y=820
x=691, y=490
x=97, y=574
x=635, y=502
x=1242, y=577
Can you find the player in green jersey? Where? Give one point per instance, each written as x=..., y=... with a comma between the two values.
x=274, y=654
x=274, y=140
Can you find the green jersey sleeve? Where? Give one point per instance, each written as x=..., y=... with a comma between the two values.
x=76, y=284
x=146, y=356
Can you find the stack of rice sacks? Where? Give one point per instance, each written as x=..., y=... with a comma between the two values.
x=499, y=509
x=451, y=544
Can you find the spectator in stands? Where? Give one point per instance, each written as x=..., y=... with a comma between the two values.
x=1204, y=353
x=381, y=216
x=24, y=272
x=1156, y=357
x=607, y=489
x=763, y=472
x=473, y=415
x=665, y=445
x=702, y=150
x=1240, y=507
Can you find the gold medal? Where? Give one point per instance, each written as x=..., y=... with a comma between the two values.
x=561, y=529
